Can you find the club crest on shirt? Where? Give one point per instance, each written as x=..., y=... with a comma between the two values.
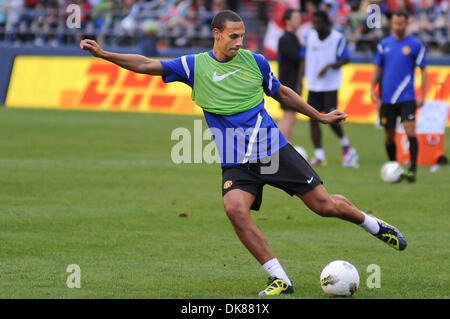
x=406, y=50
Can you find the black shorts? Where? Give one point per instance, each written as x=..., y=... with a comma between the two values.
x=294, y=176
x=325, y=101
x=390, y=112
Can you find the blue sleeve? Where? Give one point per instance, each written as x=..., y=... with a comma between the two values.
x=303, y=47
x=342, y=50
x=270, y=82
x=303, y=52
x=379, y=56
x=180, y=69
x=421, y=56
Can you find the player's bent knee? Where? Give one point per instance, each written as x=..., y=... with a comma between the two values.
x=235, y=211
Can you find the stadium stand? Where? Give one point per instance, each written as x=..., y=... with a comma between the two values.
x=156, y=24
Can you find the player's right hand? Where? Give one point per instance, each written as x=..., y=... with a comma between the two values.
x=92, y=47
x=334, y=116
x=420, y=102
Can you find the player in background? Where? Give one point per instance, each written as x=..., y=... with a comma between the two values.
x=229, y=83
x=396, y=59
x=288, y=67
x=324, y=52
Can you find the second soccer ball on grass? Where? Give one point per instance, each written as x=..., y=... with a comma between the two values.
x=391, y=172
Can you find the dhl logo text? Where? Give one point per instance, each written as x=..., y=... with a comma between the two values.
x=113, y=88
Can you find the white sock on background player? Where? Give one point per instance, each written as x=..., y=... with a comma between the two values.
x=319, y=153
x=345, y=142
x=274, y=268
x=370, y=224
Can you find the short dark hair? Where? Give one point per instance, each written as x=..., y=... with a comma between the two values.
x=323, y=16
x=222, y=17
x=288, y=14
x=401, y=13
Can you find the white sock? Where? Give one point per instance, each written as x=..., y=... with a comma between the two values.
x=345, y=141
x=319, y=154
x=370, y=224
x=274, y=268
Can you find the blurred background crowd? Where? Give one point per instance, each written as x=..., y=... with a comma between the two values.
x=156, y=24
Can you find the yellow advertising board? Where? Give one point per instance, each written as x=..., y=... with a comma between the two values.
x=92, y=84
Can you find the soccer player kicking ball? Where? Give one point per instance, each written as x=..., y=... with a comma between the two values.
x=229, y=83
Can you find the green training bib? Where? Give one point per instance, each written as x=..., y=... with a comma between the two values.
x=227, y=88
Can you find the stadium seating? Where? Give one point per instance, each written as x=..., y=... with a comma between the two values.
x=185, y=23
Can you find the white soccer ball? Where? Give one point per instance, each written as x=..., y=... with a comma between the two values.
x=129, y=24
x=339, y=278
x=391, y=172
x=302, y=152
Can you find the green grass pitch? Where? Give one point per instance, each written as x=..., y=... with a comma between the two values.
x=99, y=190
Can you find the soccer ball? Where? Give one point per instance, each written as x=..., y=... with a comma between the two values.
x=129, y=24
x=302, y=152
x=339, y=278
x=391, y=172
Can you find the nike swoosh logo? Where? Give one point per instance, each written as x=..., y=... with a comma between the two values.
x=218, y=78
x=310, y=180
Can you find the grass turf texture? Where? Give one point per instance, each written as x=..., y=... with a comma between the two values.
x=100, y=190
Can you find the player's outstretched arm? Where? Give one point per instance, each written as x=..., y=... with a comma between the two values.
x=133, y=62
x=288, y=97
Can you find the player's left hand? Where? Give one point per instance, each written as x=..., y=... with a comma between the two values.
x=335, y=116
x=420, y=101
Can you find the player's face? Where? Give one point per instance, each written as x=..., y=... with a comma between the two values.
x=398, y=26
x=320, y=25
x=231, y=39
x=294, y=22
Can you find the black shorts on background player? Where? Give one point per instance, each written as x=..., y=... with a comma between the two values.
x=390, y=112
x=294, y=176
x=325, y=101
